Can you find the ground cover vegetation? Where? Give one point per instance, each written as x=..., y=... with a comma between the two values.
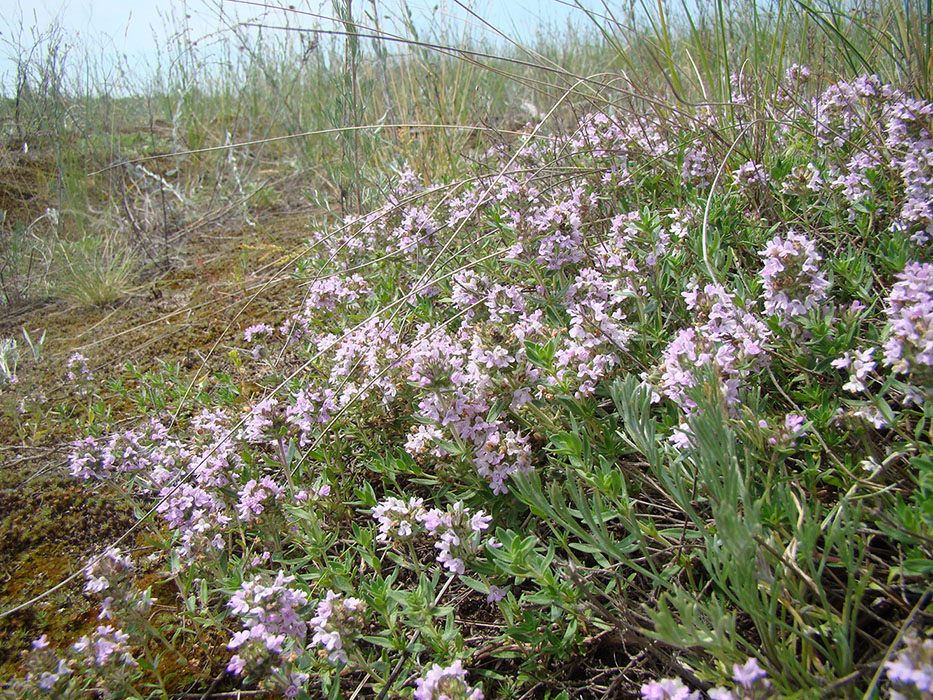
x=604, y=368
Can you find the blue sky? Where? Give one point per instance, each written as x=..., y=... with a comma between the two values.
x=108, y=28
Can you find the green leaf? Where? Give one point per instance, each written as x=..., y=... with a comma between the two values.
x=380, y=642
x=917, y=567
x=366, y=494
x=541, y=354
x=567, y=444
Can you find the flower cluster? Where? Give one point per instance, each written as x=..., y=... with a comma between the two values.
x=597, y=333
x=912, y=668
x=860, y=364
x=261, y=419
x=111, y=575
x=47, y=670
x=803, y=179
x=793, y=281
x=847, y=116
x=907, y=123
x=332, y=292
x=272, y=629
x=359, y=364
x=750, y=174
x=559, y=229
x=325, y=301
x=909, y=348
x=751, y=683
x=107, y=645
x=787, y=432
x=126, y=452
x=256, y=496
x=337, y=620
x=399, y=520
x=78, y=371
x=797, y=74
x=729, y=341
x=462, y=375
x=698, y=168
x=668, y=689
x=102, y=660
x=448, y=683
x=845, y=109
x=456, y=532
x=100, y=663
x=251, y=334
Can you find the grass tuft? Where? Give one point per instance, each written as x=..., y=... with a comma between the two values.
x=93, y=271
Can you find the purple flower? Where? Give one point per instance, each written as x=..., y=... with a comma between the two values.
x=106, y=644
x=793, y=281
x=255, y=496
x=496, y=593
x=109, y=569
x=77, y=368
x=448, y=683
x=294, y=682
x=913, y=665
x=859, y=364
x=749, y=673
x=793, y=423
x=271, y=622
x=668, y=689
x=336, y=621
x=458, y=534
x=47, y=681
x=802, y=179
x=480, y=521
x=236, y=665
x=871, y=414
x=721, y=694
x=698, y=167
x=909, y=348
x=797, y=74
x=750, y=174
x=398, y=520
x=259, y=419
x=258, y=329
x=725, y=339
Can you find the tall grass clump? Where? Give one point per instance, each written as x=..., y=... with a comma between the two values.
x=93, y=271
x=632, y=402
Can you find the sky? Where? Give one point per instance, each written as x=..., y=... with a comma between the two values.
x=109, y=28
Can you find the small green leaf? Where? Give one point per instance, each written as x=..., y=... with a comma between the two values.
x=567, y=444
x=917, y=567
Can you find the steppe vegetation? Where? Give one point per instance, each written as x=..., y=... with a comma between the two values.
x=338, y=363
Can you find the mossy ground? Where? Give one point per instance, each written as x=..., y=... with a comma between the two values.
x=222, y=277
